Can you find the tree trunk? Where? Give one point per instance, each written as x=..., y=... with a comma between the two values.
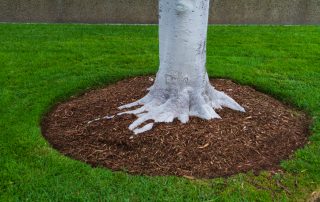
x=181, y=88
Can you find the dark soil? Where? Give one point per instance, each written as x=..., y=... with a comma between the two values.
x=256, y=140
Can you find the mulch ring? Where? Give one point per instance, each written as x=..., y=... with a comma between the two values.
x=239, y=142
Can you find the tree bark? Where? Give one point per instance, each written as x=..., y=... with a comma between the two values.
x=181, y=88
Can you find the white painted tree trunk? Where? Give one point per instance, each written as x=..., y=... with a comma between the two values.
x=181, y=88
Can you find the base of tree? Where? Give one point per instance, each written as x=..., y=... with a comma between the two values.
x=257, y=140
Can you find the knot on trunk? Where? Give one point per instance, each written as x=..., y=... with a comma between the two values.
x=183, y=6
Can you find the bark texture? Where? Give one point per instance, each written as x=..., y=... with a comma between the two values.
x=181, y=88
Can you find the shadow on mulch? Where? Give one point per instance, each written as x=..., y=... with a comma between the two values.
x=256, y=140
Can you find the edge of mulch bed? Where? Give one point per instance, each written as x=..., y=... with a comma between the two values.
x=259, y=139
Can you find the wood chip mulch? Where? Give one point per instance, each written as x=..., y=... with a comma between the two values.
x=253, y=141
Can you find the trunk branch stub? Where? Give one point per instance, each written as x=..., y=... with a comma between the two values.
x=181, y=88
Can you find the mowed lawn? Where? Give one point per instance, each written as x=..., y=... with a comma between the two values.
x=42, y=64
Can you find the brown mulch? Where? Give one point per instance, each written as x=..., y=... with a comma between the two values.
x=256, y=140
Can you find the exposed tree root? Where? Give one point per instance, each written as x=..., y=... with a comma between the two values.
x=162, y=106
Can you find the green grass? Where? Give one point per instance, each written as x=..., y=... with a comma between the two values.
x=42, y=64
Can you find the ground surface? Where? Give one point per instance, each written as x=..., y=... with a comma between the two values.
x=43, y=64
x=259, y=139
